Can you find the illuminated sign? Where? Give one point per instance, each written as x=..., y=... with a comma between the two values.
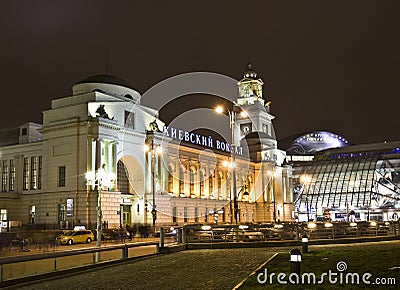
x=201, y=140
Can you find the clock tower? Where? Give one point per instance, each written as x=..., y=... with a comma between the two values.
x=257, y=124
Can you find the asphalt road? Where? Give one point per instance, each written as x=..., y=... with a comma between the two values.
x=197, y=269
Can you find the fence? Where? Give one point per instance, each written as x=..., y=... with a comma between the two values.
x=17, y=267
x=287, y=231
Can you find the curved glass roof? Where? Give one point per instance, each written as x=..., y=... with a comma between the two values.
x=311, y=143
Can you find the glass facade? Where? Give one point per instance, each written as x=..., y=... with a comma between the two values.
x=350, y=182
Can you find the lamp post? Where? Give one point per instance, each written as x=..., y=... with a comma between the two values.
x=96, y=180
x=273, y=174
x=232, y=119
x=154, y=151
x=306, y=179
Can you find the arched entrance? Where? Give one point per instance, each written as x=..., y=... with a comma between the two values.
x=130, y=182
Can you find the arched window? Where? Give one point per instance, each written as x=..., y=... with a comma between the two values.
x=122, y=177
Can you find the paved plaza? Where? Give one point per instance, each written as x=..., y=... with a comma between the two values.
x=191, y=269
x=197, y=269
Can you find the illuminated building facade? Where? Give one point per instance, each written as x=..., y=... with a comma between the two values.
x=90, y=150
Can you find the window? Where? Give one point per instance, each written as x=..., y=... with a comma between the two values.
x=170, y=181
x=185, y=214
x=206, y=215
x=12, y=176
x=33, y=172
x=24, y=131
x=39, y=180
x=61, y=212
x=61, y=176
x=4, y=176
x=129, y=120
x=25, y=182
x=174, y=219
x=219, y=185
x=3, y=214
x=196, y=218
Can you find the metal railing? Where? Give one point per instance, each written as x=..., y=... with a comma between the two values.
x=286, y=231
x=21, y=266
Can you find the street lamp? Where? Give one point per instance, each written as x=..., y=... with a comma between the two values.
x=101, y=179
x=232, y=119
x=272, y=175
x=306, y=179
x=154, y=151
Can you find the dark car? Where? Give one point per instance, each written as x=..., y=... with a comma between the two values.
x=245, y=234
x=12, y=240
x=115, y=234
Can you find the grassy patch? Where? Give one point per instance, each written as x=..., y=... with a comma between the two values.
x=376, y=259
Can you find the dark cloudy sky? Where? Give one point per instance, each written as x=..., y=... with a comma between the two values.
x=328, y=65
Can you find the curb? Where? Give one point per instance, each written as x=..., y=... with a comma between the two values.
x=255, y=271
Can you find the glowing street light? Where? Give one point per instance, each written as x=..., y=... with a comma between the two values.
x=102, y=179
x=232, y=119
x=154, y=151
x=306, y=180
x=272, y=174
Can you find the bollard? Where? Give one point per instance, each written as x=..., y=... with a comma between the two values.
x=125, y=252
x=295, y=261
x=162, y=238
x=179, y=236
x=304, y=244
x=183, y=235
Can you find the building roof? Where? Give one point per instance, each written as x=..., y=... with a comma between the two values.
x=105, y=79
x=313, y=142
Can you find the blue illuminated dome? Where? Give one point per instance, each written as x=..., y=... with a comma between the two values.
x=311, y=143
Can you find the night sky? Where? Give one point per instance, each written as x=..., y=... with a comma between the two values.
x=327, y=65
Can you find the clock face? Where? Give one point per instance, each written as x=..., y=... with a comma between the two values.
x=245, y=128
x=265, y=128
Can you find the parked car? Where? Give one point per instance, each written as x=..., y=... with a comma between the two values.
x=75, y=237
x=114, y=234
x=245, y=235
x=12, y=240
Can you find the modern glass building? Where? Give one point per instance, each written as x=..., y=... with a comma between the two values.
x=359, y=182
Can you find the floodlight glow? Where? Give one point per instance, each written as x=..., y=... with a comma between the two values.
x=205, y=228
x=219, y=110
x=243, y=114
x=311, y=225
